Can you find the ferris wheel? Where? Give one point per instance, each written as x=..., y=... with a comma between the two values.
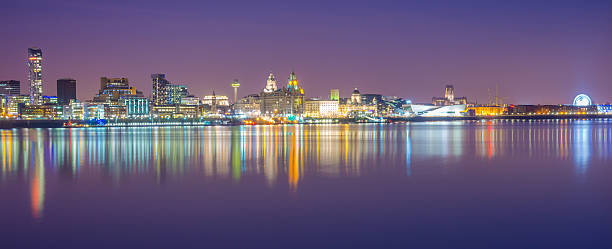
x=582, y=100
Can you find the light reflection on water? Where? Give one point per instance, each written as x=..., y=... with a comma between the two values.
x=288, y=153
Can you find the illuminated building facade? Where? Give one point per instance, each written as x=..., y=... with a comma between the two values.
x=42, y=112
x=113, y=89
x=249, y=105
x=286, y=101
x=439, y=111
x=166, y=93
x=74, y=110
x=15, y=103
x=159, y=89
x=551, y=109
x=35, y=75
x=175, y=93
x=486, y=110
x=50, y=100
x=66, y=91
x=190, y=100
x=136, y=106
x=10, y=87
x=318, y=108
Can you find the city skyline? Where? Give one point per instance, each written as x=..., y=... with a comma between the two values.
x=405, y=49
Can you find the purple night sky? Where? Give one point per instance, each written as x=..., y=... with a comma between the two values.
x=544, y=52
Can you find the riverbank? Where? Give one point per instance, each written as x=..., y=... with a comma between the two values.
x=10, y=124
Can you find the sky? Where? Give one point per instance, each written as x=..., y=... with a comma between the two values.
x=533, y=52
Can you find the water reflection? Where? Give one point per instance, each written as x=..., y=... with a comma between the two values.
x=287, y=154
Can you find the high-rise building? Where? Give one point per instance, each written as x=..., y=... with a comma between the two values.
x=165, y=93
x=35, y=75
x=270, y=84
x=159, y=89
x=10, y=87
x=334, y=94
x=66, y=91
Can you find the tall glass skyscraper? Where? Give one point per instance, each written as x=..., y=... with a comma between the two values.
x=35, y=75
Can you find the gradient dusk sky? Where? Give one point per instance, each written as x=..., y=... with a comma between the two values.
x=536, y=51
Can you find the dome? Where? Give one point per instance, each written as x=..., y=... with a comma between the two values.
x=356, y=91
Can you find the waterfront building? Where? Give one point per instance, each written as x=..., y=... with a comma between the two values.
x=218, y=100
x=42, y=112
x=249, y=105
x=50, y=100
x=94, y=111
x=449, y=98
x=176, y=111
x=10, y=87
x=136, y=106
x=166, y=93
x=66, y=90
x=288, y=101
x=215, y=104
x=159, y=89
x=604, y=109
x=35, y=75
x=75, y=110
x=175, y=93
x=15, y=103
x=552, y=109
x=115, y=111
x=318, y=108
x=438, y=111
x=113, y=89
x=486, y=110
x=190, y=100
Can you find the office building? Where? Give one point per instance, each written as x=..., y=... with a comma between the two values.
x=10, y=87
x=318, y=108
x=174, y=94
x=165, y=93
x=136, y=106
x=66, y=91
x=159, y=96
x=113, y=89
x=35, y=75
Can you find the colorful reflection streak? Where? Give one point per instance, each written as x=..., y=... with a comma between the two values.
x=286, y=155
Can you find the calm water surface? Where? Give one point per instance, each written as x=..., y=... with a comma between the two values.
x=484, y=184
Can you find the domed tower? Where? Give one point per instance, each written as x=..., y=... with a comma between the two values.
x=293, y=81
x=356, y=97
x=271, y=84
